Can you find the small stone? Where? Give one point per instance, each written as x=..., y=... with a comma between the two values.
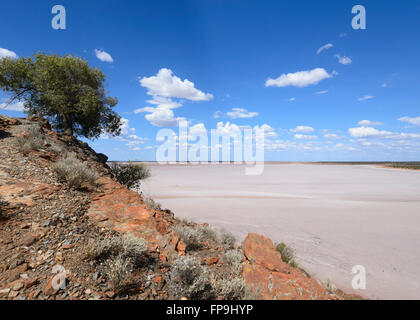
x=13, y=294
x=34, y=294
x=4, y=292
x=49, y=290
x=18, y=286
x=30, y=283
x=110, y=294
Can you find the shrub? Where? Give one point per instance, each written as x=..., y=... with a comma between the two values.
x=294, y=264
x=118, y=272
x=189, y=279
x=287, y=254
x=192, y=237
x=121, y=254
x=31, y=139
x=330, y=287
x=130, y=174
x=127, y=246
x=100, y=249
x=74, y=172
x=230, y=289
x=228, y=239
x=132, y=248
x=152, y=204
x=209, y=233
x=234, y=259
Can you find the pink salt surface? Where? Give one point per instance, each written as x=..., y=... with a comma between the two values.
x=334, y=216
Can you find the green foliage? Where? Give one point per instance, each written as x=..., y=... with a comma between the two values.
x=287, y=254
x=63, y=89
x=130, y=174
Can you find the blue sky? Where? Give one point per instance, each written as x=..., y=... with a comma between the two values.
x=210, y=63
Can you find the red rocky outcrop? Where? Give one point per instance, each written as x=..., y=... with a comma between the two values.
x=270, y=278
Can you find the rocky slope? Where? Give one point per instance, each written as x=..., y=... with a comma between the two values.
x=47, y=226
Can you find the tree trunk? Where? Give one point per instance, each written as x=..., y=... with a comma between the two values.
x=68, y=124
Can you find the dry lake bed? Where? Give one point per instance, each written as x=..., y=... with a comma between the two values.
x=334, y=216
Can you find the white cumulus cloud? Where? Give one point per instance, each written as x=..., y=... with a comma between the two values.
x=164, y=87
x=367, y=123
x=17, y=106
x=165, y=84
x=365, y=98
x=303, y=129
x=325, y=47
x=343, y=59
x=299, y=136
x=5, y=53
x=103, y=56
x=331, y=136
x=413, y=121
x=299, y=79
x=241, y=113
x=366, y=132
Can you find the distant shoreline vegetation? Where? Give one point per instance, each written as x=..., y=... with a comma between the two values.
x=413, y=165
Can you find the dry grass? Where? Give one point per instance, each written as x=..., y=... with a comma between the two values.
x=190, y=280
x=192, y=237
x=74, y=172
x=227, y=239
x=30, y=139
x=209, y=233
x=118, y=272
x=152, y=204
x=121, y=254
x=230, y=289
x=234, y=259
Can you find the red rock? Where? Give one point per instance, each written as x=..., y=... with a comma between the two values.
x=157, y=279
x=30, y=241
x=181, y=247
x=68, y=246
x=162, y=227
x=270, y=278
x=4, y=292
x=212, y=260
x=34, y=294
x=31, y=282
x=261, y=249
x=49, y=290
